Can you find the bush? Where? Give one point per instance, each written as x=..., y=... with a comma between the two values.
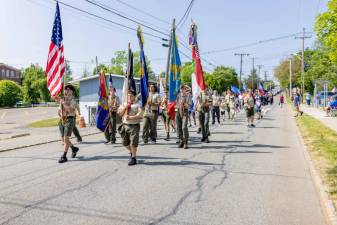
x=10, y=93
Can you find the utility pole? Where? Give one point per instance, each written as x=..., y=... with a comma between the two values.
x=290, y=77
x=303, y=37
x=265, y=76
x=253, y=72
x=259, y=75
x=241, y=55
x=96, y=65
x=169, y=54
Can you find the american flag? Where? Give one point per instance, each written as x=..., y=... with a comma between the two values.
x=55, y=64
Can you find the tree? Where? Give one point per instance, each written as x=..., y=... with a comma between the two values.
x=34, y=85
x=186, y=71
x=325, y=28
x=120, y=60
x=321, y=67
x=221, y=79
x=68, y=72
x=10, y=93
x=100, y=67
x=282, y=72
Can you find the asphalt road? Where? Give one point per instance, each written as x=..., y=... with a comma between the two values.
x=244, y=176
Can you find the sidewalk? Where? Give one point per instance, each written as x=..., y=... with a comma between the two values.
x=40, y=136
x=319, y=114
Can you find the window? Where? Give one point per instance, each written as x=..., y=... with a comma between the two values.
x=3, y=73
x=7, y=73
x=12, y=74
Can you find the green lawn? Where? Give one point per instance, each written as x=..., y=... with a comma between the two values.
x=322, y=144
x=45, y=123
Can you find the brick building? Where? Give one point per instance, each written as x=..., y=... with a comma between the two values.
x=10, y=73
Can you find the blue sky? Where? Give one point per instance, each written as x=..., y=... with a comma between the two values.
x=26, y=29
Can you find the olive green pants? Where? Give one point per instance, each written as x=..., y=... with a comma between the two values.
x=182, y=126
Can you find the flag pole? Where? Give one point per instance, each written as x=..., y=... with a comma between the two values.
x=169, y=54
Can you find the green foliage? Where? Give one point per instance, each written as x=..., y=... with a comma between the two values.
x=221, y=78
x=100, y=67
x=34, y=85
x=317, y=66
x=322, y=144
x=326, y=31
x=282, y=72
x=186, y=73
x=53, y=122
x=10, y=93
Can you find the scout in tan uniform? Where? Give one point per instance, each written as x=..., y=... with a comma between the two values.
x=110, y=131
x=131, y=118
x=67, y=113
x=203, y=107
x=249, y=105
x=166, y=117
x=183, y=104
x=151, y=116
x=216, y=107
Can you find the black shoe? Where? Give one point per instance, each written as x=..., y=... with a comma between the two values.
x=301, y=113
x=202, y=139
x=167, y=137
x=74, y=151
x=132, y=161
x=199, y=130
x=209, y=133
x=185, y=146
x=79, y=140
x=177, y=142
x=106, y=142
x=206, y=140
x=252, y=125
x=181, y=144
x=145, y=141
x=63, y=159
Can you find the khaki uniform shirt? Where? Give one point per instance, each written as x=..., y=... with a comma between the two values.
x=133, y=112
x=249, y=100
x=113, y=103
x=216, y=100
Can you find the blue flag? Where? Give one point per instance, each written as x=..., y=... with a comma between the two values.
x=235, y=90
x=144, y=85
x=174, y=76
x=102, y=114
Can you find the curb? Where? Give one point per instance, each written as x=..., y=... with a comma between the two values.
x=327, y=206
x=15, y=136
x=42, y=143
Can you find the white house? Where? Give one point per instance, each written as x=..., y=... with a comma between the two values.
x=89, y=94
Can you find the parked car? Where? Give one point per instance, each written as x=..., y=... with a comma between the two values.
x=323, y=94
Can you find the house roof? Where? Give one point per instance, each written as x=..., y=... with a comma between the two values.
x=96, y=76
x=9, y=67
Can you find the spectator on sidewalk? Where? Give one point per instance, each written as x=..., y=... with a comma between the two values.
x=332, y=105
x=297, y=104
x=308, y=98
x=281, y=100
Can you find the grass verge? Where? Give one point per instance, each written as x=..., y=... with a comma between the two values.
x=321, y=142
x=45, y=123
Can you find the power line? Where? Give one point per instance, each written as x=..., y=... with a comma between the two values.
x=142, y=11
x=107, y=20
x=125, y=14
x=252, y=44
x=125, y=17
x=186, y=13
